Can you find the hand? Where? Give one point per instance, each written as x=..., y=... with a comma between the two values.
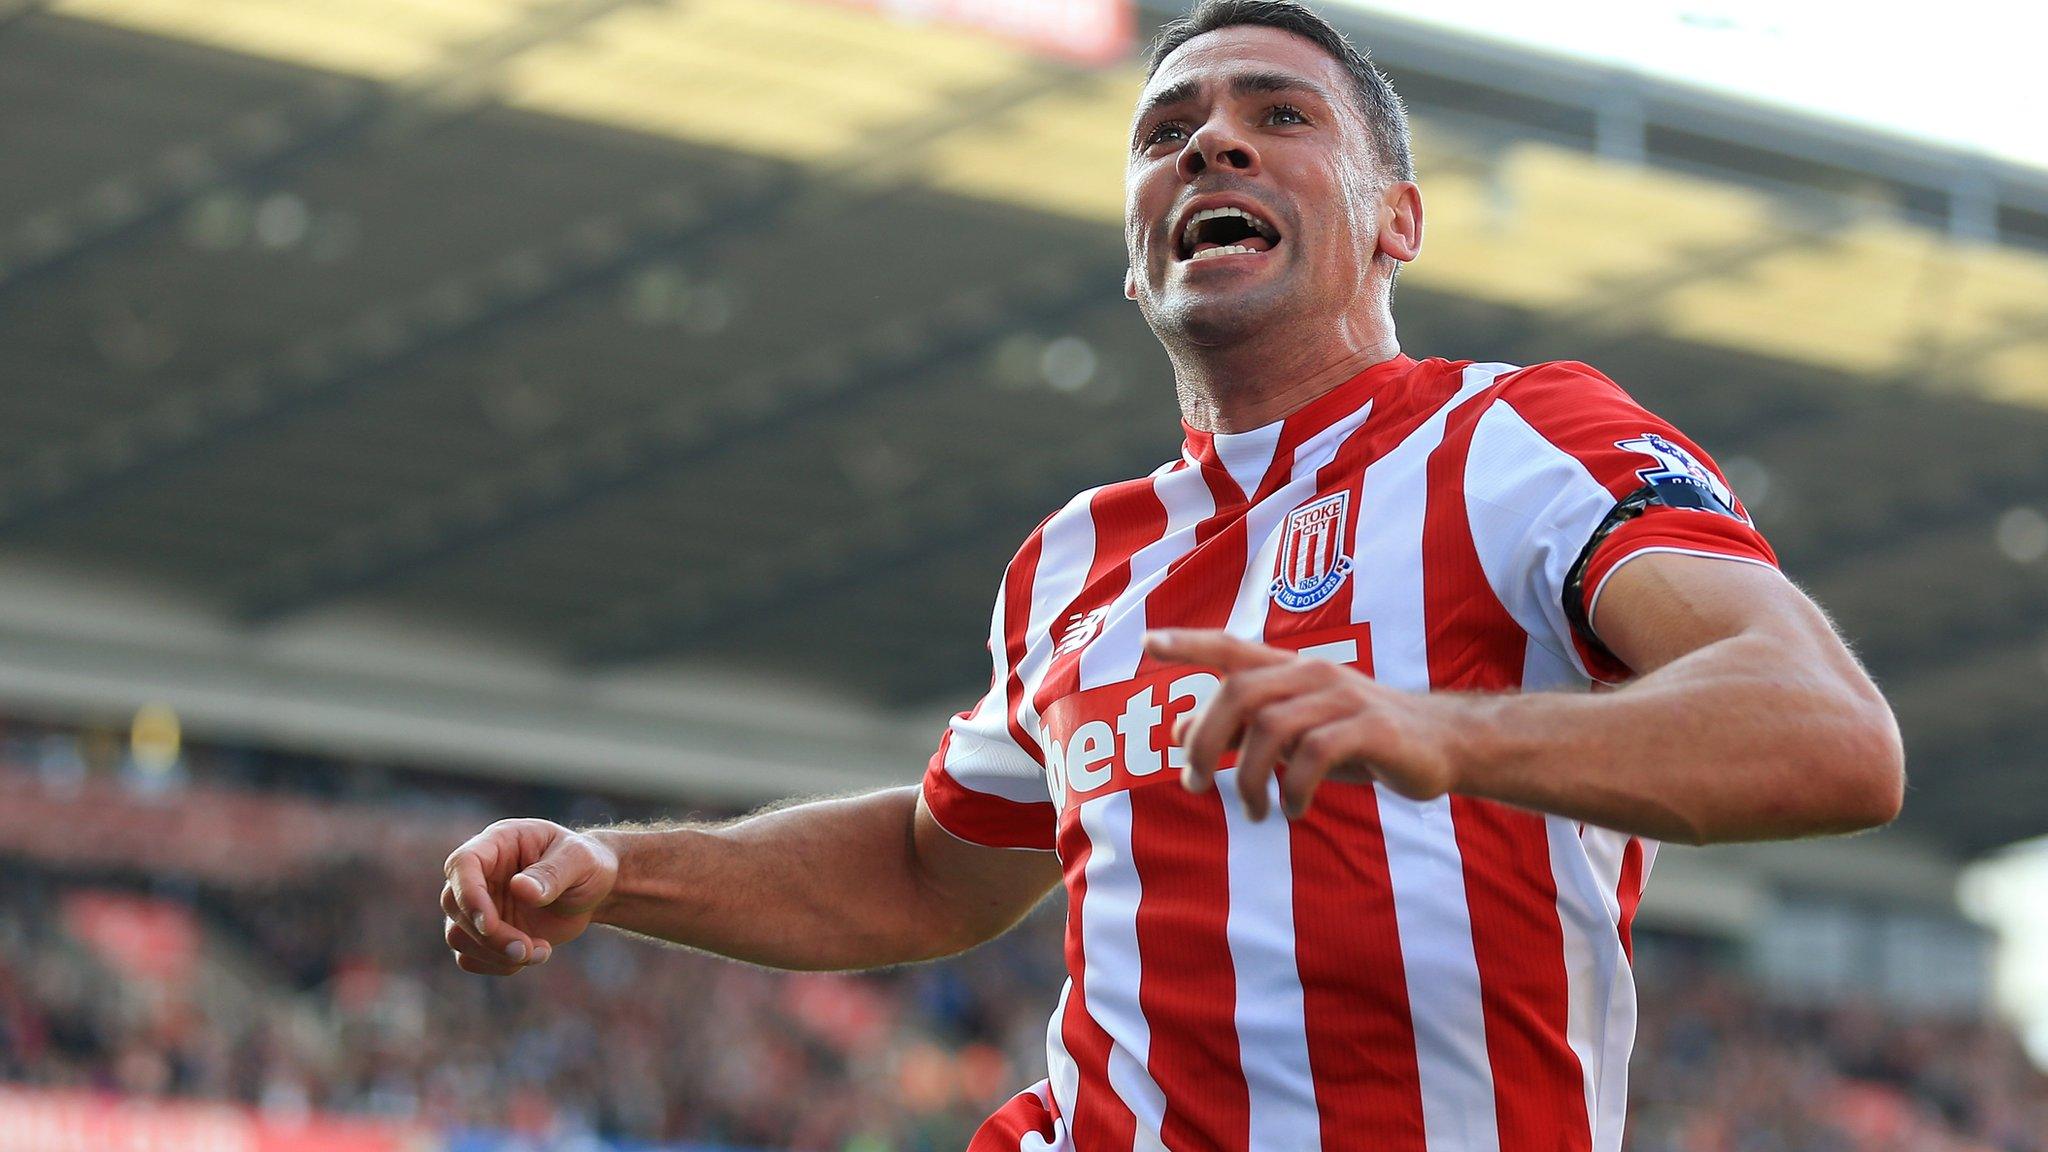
x=519, y=888
x=1319, y=718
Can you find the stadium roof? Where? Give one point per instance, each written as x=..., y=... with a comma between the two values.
x=633, y=350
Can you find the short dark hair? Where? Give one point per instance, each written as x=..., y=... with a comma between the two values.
x=1377, y=100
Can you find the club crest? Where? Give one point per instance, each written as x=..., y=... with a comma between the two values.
x=1312, y=565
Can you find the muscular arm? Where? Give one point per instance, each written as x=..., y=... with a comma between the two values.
x=854, y=883
x=859, y=882
x=1749, y=719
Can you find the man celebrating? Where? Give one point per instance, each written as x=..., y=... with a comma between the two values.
x=1372, y=593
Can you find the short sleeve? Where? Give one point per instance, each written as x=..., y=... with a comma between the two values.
x=1567, y=480
x=986, y=783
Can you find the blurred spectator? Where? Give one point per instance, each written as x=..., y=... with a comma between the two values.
x=330, y=991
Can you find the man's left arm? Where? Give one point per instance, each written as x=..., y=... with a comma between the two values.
x=1748, y=719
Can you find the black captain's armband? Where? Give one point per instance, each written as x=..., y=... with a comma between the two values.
x=1631, y=506
x=1677, y=480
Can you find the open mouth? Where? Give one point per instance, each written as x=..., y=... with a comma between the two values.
x=1215, y=232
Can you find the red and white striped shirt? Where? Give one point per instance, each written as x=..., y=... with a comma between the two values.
x=1442, y=976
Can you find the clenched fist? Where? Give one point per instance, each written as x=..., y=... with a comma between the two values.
x=519, y=888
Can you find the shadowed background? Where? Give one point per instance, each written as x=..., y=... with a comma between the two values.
x=622, y=406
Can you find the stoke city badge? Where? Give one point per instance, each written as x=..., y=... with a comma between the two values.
x=1311, y=564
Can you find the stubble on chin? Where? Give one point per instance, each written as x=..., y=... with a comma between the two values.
x=1213, y=320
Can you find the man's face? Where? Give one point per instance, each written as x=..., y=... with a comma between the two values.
x=1252, y=196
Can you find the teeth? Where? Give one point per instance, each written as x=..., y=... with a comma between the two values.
x=1226, y=250
x=1257, y=225
x=1218, y=213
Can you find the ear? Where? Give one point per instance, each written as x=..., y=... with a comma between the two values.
x=1130, y=283
x=1401, y=221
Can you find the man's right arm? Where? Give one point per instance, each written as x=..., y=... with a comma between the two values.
x=859, y=882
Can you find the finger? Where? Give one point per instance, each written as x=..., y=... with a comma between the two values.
x=1306, y=771
x=1270, y=737
x=455, y=915
x=466, y=885
x=480, y=956
x=463, y=942
x=456, y=922
x=1212, y=647
x=485, y=967
x=479, y=911
x=1342, y=747
x=1218, y=725
x=1298, y=787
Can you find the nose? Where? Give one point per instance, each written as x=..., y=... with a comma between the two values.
x=1218, y=142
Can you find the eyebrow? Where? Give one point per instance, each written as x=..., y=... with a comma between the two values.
x=1242, y=84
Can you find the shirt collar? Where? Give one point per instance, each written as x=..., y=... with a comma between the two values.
x=1248, y=456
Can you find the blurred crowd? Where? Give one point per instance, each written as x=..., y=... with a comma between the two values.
x=1720, y=1068
x=327, y=989
x=344, y=1001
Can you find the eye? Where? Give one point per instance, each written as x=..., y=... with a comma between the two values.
x=1285, y=114
x=1164, y=131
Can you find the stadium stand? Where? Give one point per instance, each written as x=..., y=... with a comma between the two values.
x=137, y=960
x=445, y=411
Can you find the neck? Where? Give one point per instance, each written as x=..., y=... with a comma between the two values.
x=1251, y=383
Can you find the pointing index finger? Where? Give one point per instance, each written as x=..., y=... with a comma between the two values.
x=1212, y=647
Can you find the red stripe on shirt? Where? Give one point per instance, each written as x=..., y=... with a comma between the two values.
x=1347, y=945
x=1539, y=1094
x=1629, y=893
x=1195, y=580
x=980, y=818
x=1517, y=939
x=1017, y=583
x=1354, y=988
x=976, y=816
x=1026, y=1115
x=1127, y=517
x=1188, y=987
x=1101, y=1119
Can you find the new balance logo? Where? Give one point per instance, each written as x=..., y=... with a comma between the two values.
x=1081, y=628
